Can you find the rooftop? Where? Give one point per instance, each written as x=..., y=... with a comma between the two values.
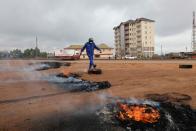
x=134, y=21
x=79, y=46
x=104, y=46
x=74, y=46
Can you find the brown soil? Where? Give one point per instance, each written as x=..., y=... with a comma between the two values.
x=26, y=103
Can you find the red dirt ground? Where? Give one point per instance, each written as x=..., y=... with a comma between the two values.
x=26, y=103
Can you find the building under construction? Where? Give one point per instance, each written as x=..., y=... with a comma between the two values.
x=194, y=34
x=188, y=55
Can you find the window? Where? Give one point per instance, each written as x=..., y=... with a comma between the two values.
x=138, y=26
x=139, y=36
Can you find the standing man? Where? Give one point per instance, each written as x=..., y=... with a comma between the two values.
x=90, y=46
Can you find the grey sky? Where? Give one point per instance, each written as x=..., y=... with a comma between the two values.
x=63, y=22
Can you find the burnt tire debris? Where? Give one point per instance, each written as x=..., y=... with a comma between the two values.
x=73, y=83
x=95, y=71
x=186, y=66
x=75, y=75
x=169, y=97
x=173, y=116
x=49, y=65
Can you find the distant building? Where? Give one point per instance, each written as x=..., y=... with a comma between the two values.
x=176, y=55
x=63, y=54
x=107, y=52
x=181, y=55
x=4, y=54
x=135, y=38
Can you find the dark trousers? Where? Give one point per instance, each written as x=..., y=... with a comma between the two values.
x=91, y=59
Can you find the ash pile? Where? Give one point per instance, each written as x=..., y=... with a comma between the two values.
x=73, y=83
x=48, y=65
x=148, y=115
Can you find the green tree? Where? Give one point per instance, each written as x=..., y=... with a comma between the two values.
x=16, y=53
x=32, y=53
x=27, y=53
x=43, y=54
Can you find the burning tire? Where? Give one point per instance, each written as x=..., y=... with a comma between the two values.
x=186, y=66
x=140, y=115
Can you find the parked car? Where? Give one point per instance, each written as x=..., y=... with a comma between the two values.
x=129, y=57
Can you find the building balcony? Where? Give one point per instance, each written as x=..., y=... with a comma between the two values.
x=139, y=31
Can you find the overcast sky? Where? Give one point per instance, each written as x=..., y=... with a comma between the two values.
x=63, y=22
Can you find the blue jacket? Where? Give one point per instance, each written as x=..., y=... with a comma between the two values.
x=90, y=46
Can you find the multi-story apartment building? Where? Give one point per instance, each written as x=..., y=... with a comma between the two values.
x=135, y=38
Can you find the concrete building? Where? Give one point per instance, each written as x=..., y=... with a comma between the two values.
x=107, y=52
x=135, y=38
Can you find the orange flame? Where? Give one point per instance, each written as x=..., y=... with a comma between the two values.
x=140, y=113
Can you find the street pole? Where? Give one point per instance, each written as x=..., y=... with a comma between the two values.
x=161, y=51
x=36, y=48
